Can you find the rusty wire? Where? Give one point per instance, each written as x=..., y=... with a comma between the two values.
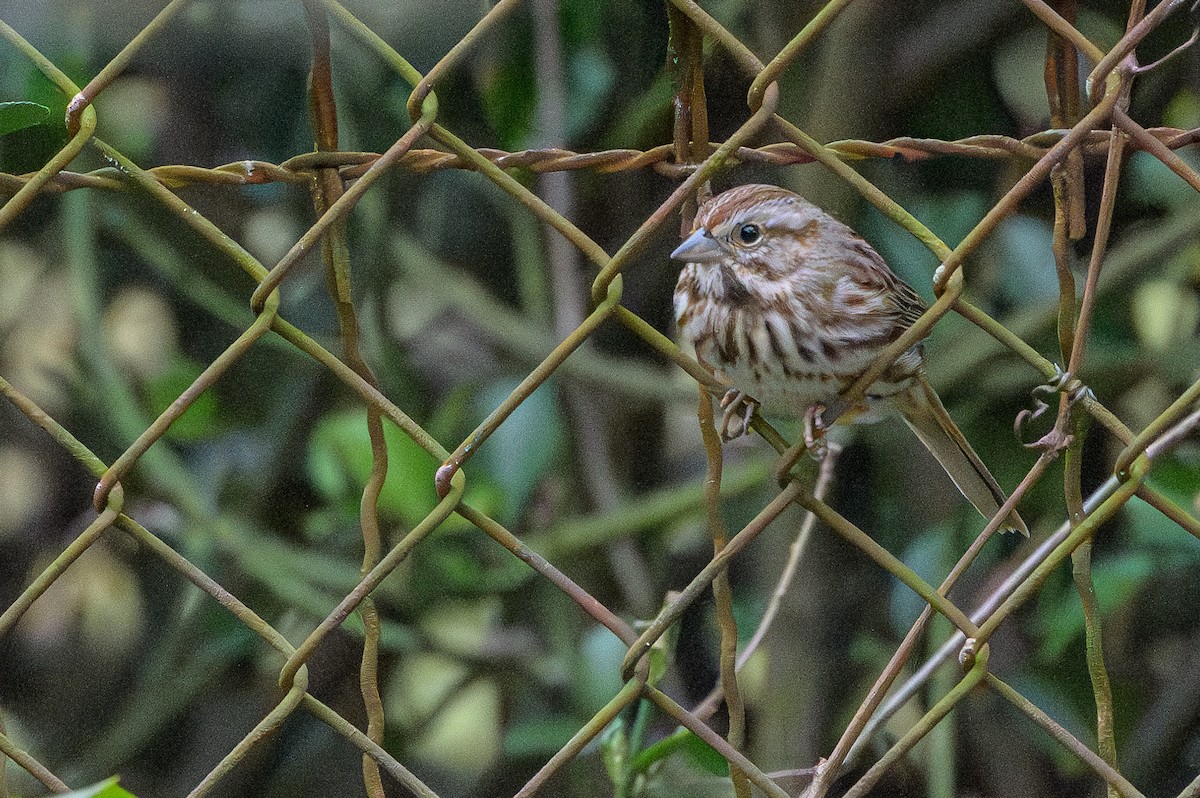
x=339, y=179
x=351, y=165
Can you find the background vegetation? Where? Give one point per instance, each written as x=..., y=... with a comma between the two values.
x=111, y=304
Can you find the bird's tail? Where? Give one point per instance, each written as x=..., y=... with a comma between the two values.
x=927, y=417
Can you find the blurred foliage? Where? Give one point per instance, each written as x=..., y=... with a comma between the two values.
x=109, y=307
x=109, y=788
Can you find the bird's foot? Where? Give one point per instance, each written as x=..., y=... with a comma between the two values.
x=813, y=444
x=814, y=433
x=739, y=408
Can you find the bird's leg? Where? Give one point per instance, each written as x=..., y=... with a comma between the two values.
x=813, y=444
x=739, y=409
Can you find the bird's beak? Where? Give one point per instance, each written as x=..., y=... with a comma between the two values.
x=699, y=247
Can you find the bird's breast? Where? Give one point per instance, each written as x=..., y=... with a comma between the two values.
x=786, y=349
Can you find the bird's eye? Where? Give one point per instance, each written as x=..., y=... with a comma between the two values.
x=749, y=234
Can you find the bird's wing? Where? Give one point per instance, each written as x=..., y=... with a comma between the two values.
x=906, y=303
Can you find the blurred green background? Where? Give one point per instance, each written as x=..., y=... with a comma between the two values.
x=110, y=307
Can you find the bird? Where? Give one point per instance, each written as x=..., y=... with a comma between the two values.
x=788, y=306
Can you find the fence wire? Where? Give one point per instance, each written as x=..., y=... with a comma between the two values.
x=1090, y=120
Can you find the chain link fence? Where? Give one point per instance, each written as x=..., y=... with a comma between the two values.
x=697, y=697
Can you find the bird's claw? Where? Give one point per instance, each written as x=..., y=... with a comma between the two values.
x=814, y=444
x=814, y=433
x=739, y=408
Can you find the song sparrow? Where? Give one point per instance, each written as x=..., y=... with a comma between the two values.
x=789, y=306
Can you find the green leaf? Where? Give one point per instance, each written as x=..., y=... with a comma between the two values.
x=523, y=450
x=704, y=755
x=597, y=669
x=20, y=115
x=199, y=421
x=1152, y=532
x=104, y=789
x=26, y=148
x=1116, y=579
x=661, y=653
x=696, y=750
x=614, y=751
x=339, y=464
